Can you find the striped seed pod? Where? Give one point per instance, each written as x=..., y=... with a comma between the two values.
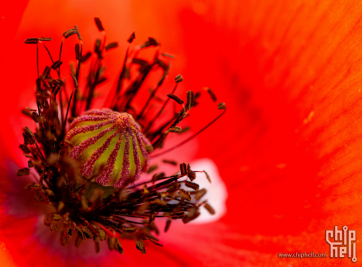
x=111, y=142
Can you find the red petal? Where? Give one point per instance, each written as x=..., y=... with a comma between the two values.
x=289, y=147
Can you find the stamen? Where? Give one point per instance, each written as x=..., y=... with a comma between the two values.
x=114, y=99
x=172, y=162
x=99, y=24
x=46, y=48
x=45, y=73
x=111, y=46
x=56, y=64
x=131, y=38
x=152, y=96
x=31, y=40
x=176, y=98
x=79, y=52
x=183, y=168
x=175, y=129
x=178, y=79
x=190, y=100
x=209, y=209
x=70, y=99
x=190, y=138
x=148, y=101
x=69, y=33
x=211, y=93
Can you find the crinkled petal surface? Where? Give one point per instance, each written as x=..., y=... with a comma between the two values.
x=289, y=148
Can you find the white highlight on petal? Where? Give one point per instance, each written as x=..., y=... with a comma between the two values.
x=216, y=191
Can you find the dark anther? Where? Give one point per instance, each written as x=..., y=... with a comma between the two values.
x=190, y=99
x=176, y=98
x=131, y=37
x=99, y=24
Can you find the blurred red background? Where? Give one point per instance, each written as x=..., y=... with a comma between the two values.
x=288, y=148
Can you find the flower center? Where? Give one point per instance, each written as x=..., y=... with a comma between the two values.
x=86, y=174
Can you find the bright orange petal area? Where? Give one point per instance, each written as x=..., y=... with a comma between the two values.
x=289, y=148
x=5, y=256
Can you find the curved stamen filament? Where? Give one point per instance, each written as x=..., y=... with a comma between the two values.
x=188, y=139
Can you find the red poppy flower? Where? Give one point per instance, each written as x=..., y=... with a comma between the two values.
x=288, y=150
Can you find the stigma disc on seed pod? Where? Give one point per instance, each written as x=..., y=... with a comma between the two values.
x=111, y=146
